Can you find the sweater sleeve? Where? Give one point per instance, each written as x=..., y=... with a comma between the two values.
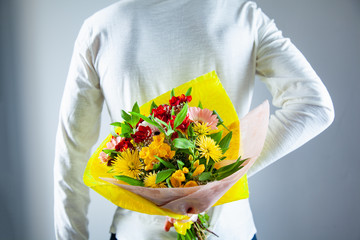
x=304, y=106
x=78, y=130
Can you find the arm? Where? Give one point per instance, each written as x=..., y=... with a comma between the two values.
x=305, y=107
x=78, y=130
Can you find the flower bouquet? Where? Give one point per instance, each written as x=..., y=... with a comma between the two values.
x=179, y=155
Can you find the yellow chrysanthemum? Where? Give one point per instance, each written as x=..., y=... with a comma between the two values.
x=128, y=164
x=208, y=148
x=202, y=129
x=150, y=181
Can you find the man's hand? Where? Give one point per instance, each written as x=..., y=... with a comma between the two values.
x=169, y=222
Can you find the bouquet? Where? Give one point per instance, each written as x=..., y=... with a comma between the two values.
x=178, y=156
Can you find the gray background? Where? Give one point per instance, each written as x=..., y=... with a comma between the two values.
x=312, y=193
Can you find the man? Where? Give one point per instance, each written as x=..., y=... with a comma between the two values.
x=135, y=50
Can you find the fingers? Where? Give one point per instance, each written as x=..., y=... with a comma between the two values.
x=169, y=222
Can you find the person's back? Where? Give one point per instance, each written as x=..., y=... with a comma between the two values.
x=146, y=46
x=136, y=50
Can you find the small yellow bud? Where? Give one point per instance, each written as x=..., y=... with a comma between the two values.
x=196, y=163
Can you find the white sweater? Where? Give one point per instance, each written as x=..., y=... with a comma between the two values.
x=135, y=50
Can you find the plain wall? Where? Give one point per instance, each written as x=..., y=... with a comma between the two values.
x=312, y=193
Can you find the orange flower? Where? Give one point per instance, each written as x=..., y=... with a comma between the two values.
x=191, y=184
x=177, y=178
x=199, y=169
x=185, y=170
x=165, y=151
x=144, y=153
x=179, y=175
x=159, y=139
x=158, y=148
x=148, y=155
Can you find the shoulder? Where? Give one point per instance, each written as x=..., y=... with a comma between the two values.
x=248, y=12
x=246, y=6
x=111, y=15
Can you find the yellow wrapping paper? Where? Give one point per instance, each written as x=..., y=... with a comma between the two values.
x=212, y=95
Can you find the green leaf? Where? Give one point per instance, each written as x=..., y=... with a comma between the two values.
x=125, y=135
x=226, y=174
x=110, y=151
x=125, y=116
x=186, y=151
x=136, y=108
x=172, y=94
x=168, y=183
x=166, y=163
x=156, y=166
x=116, y=124
x=148, y=120
x=125, y=128
x=219, y=118
x=180, y=164
x=172, y=111
x=204, y=220
x=182, y=143
x=206, y=216
x=188, y=92
x=200, y=105
x=229, y=169
x=153, y=105
x=134, y=118
x=204, y=176
x=190, y=130
x=224, y=150
x=181, y=116
x=162, y=175
x=169, y=132
x=225, y=142
x=180, y=134
x=216, y=136
x=159, y=121
x=129, y=180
